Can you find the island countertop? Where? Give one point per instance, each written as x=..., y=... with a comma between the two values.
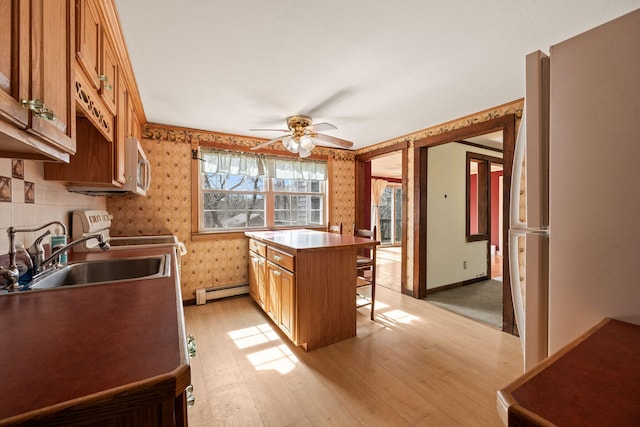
x=303, y=240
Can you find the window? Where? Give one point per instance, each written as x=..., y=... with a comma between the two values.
x=391, y=215
x=479, y=207
x=242, y=191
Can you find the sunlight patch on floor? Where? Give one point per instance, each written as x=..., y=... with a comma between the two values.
x=398, y=316
x=254, y=335
x=278, y=357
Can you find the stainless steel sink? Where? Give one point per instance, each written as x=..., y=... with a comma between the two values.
x=106, y=271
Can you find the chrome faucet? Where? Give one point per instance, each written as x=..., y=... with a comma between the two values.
x=60, y=249
x=11, y=273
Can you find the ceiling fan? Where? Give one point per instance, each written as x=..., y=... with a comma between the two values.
x=302, y=136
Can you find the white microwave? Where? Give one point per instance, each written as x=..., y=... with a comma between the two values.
x=137, y=172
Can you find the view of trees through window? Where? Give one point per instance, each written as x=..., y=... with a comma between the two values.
x=243, y=202
x=233, y=201
x=391, y=215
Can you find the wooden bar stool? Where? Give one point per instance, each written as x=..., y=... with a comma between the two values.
x=337, y=228
x=366, y=266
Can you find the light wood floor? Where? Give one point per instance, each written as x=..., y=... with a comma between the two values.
x=388, y=267
x=417, y=365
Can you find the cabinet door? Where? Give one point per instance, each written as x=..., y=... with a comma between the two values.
x=287, y=302
x=262, y=282
x=257, y=284
x=14, y=61
x=273, y=292
x=120, y=131
x=133, y=124
x=52, y=71
x=88, y=39
x=108, y=74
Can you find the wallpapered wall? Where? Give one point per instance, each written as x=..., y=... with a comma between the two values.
x=167, y=207
x=220, y=262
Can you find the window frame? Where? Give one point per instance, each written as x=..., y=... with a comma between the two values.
x=229, y=234
x=483, y=195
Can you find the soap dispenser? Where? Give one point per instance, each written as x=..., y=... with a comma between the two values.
x=24, y=264
x=59, y=239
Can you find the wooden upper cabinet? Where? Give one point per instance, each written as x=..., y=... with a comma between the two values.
x=36, y=75
x=121, y=130
x=108, y=74
x=52, y=75
x=88, y=39
x=134, y=128
x=14, y=61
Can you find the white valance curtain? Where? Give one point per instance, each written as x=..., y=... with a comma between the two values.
x=233, y=163
x=377, y=188
x=238, y=163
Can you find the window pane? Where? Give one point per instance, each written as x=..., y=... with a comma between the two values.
x=222, y=181
x=298, y=210
x=296, y=186
x=398, y=216
x=385, y=215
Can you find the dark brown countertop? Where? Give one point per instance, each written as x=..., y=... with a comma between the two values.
x=307, y=240
x=593, y=381
x=64, y=348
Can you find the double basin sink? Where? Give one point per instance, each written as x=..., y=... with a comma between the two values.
x=106, y=271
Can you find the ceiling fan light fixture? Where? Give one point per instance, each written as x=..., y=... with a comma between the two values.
x=306, y=142
x=290, y=144
x=304, y=152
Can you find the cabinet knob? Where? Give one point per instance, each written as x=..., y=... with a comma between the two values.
x=277, y=257
x=191, y=398
x=276, y=273
x=103, y=78
x=192, y=348
x=38, y=108
x=108, y=87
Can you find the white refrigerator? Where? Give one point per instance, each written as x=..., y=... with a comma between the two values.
x=575, y=217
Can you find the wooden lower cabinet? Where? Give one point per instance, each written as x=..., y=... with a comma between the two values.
x=257, y=280
x=273, y=293
x=281, y=298
x=305, y=281
x=287, y=302
x=273, y=287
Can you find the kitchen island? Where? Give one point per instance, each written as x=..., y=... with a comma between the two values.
x=305, y=281
x=104, y=354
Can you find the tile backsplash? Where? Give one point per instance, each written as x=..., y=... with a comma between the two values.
x=50, y=201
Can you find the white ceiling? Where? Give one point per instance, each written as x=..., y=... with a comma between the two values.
x=375, y=69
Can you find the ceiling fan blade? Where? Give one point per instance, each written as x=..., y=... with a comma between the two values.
x=335, y=99
x=271, y=141
x=333, y=140
x=321, y=127
x=265, y=130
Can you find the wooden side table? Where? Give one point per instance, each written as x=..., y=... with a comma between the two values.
x=593, y=381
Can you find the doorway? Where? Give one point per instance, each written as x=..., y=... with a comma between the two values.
x=381, y=200
x=506, y=125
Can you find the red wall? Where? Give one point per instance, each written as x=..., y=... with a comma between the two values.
x=495, y=208
x=473, y=205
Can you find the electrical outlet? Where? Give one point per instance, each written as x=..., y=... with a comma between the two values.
x=464, y=265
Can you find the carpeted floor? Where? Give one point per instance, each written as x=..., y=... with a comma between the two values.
x=481, y=301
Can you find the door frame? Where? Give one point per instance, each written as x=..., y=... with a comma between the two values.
x=507, y=125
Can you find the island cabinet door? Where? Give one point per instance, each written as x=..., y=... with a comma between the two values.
x=273, y=292
x=257, y=279
x=287, y=303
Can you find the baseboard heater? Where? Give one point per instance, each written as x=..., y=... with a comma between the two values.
x=207, y=294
